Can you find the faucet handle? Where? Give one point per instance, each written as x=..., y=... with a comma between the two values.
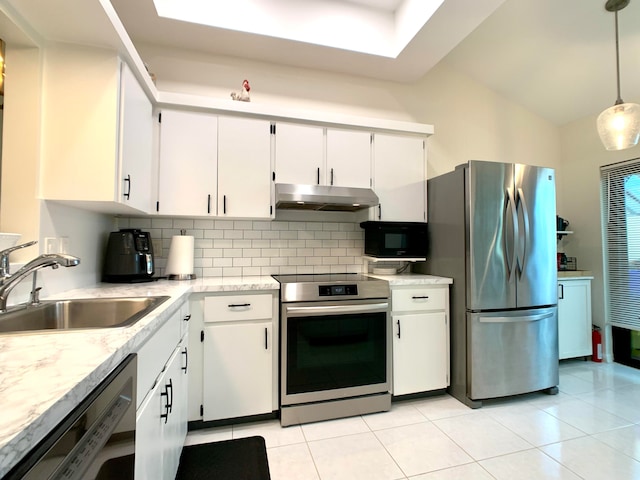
x=4, y=257
x=7, y=251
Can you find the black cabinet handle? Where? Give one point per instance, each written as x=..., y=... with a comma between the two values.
x=237, y=305
x=398, y=328
x=170, y=386
x=128, y=180
x=266, y=336
x=561, y=292
x=318, y=175
x=423, y=297
x=379, y=212
x=332, y=176
x=209, y=203
x=187, y=317
x=165, y=415
x=186, y=359
x=224, y=204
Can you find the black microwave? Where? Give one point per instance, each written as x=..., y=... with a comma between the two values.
x=395, y=239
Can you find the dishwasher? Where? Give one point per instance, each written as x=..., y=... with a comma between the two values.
x=96, y=441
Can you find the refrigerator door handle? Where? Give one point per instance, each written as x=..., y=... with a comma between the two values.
x=522, y=260
x=528, y=318
x=511, y=257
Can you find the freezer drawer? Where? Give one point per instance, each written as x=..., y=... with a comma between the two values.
x=511, y=352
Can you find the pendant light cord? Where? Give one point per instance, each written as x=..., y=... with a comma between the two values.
x=618, y=100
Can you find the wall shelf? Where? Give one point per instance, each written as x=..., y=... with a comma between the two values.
x=563, y=233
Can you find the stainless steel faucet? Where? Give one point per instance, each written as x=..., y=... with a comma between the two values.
x=8, y=281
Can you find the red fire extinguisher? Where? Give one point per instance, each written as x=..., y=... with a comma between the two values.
x=596, y=343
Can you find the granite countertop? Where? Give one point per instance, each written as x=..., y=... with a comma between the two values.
x=43, y=376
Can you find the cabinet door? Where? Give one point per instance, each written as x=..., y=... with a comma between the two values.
x=349, y=158
x=574, y=318
x=237, y=370
x=299, y=154
x=150, y=431
x=172, y=435
x=420, y=352
x=187, y=183
x=399, y=178
x=136, y=133
x=244, y=168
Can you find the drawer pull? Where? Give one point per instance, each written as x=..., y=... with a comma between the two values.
x=239, y=305
x=266, y=335
x=187, y=318
x=422, y=297
x=186, y=360
x=398, y=328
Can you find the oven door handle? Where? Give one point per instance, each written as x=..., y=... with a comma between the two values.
x=337, y=309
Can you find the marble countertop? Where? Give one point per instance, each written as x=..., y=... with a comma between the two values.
x=575, y=275
x=413, y=279
x=43, y=376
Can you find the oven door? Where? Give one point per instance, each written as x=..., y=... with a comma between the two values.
x=332, y=350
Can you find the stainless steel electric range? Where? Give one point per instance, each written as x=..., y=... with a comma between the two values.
x=335, y=347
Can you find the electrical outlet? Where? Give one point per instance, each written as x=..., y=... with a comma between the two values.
x=157, y=246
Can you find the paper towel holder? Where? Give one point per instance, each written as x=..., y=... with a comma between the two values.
x=180, y=276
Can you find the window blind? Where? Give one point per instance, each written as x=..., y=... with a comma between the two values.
x=620, y=195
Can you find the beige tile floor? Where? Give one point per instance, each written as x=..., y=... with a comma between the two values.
x=590, y=430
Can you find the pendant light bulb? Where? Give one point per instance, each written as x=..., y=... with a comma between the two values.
x=619, y=125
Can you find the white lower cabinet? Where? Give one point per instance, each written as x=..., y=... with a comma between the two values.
x=161, y=418
x=238, y=362
x=574, y=317
x=238, y=357
x=420, y=317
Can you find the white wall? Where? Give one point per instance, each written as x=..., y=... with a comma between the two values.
x=579, y=202
x=471, y=121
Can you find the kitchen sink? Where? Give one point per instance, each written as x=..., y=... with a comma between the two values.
x=86, y=313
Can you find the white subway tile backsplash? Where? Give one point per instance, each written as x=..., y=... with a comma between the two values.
x=204, y=224
x=261, y=226
x=222, y=243
x=242, y=244
x=233, y=234
x=252, y=234
x=270, y=235
x=224, y=224
x=245, y=247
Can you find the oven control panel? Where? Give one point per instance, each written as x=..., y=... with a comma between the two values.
x=335, y=290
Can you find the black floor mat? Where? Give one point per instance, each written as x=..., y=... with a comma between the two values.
x=239, y=459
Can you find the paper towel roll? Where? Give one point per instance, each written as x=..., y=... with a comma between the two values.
x=180, y=259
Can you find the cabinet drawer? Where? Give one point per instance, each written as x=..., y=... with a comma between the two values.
x=229, y=308
x=415, y=299
x=153, y=355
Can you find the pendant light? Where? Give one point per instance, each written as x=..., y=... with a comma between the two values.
x=619, y=125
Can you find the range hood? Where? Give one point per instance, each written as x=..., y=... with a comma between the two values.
x=324, y=198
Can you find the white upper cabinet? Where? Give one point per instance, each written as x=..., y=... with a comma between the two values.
x=136, y=138
x=244, y=168
x=313, y=155
x=299, y=154
x=187, y=183
x=399, y=179
x=348, y=158
x=97, y=132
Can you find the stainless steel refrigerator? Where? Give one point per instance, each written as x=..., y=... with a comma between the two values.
x=492, y=228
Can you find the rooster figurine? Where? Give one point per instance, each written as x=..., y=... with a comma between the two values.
x=243, y=96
